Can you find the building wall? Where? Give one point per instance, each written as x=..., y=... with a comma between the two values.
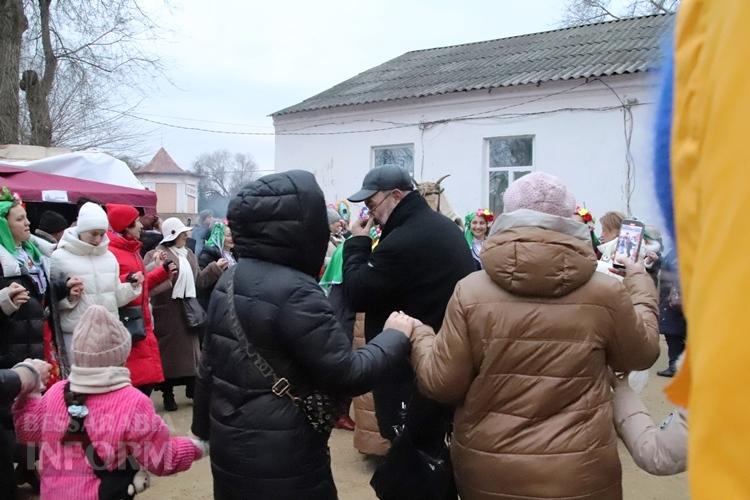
x=166, y=197
x=176, y=194
x=579, y=135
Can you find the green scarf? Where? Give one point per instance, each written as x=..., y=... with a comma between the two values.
x=467, y=228
x=334, y=273
x=6, y=237
x=217, y=236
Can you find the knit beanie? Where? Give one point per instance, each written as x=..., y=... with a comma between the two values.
x=91, y=216
x=333, y=216
x=100, y=339
x=51, y=222
x=540, y=192
x=121, y=217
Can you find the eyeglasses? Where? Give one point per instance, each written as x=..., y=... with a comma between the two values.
x=368, y=202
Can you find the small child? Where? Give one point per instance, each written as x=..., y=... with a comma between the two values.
x=98, y=404
x=658, y=449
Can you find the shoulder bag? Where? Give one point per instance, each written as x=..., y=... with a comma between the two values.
x=320, y=409
x=132, y=319
x=408, y=472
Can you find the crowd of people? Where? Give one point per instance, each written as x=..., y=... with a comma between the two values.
x=510, y=339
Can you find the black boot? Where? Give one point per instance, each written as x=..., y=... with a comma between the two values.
x=168, y=397
x=669, y=372
x=190, y=389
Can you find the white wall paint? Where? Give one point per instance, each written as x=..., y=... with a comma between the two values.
x=181, y=182
x=585, y=148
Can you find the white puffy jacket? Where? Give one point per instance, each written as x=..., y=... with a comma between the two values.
x=100, y=273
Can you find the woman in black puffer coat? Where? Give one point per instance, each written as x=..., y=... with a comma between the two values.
x=262, y=446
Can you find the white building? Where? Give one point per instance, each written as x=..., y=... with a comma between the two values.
x=575, y=102
x=176, y=189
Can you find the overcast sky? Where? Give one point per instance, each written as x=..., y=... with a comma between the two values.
x=234, y=62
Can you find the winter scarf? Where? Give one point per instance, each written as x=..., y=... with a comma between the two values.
x=98, y=380
x=216, y=238
x=6, y=237
x=184, y=287
x=334, y=273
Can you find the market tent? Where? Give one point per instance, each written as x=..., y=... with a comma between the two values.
x=35, y=186
x=88, y=165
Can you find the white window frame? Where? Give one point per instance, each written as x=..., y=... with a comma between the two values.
x=409, y=145
x=511, y=170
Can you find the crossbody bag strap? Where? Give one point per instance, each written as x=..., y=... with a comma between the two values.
x=280, y=386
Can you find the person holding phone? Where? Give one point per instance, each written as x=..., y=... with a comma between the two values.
x=525, y=351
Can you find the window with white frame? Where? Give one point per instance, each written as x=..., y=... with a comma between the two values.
x=510, y=158
x=401, y=155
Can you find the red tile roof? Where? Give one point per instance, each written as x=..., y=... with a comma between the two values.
x=162, y=163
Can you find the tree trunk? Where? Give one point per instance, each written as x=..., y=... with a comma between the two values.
x=38, y=90
x=12, y=25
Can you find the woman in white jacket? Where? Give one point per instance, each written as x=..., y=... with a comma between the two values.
x=83, y=253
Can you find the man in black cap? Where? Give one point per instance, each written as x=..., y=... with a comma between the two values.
x=414, y=268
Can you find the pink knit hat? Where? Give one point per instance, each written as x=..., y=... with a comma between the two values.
x=540, y=192
x=100, y=339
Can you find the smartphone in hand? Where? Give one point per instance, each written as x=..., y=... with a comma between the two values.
x=629, y=242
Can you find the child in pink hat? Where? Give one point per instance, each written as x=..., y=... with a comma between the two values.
x=118, y=420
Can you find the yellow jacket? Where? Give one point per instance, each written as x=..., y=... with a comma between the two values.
x=711, y=183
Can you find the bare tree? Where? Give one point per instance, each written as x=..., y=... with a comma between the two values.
x=577, y=12
x=13, y=23
x=80, y=59
x=223, y=173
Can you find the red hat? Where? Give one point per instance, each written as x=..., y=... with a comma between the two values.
x=121, y=217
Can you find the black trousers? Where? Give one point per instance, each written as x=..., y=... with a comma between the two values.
x=675, y=346
x=167, y=387
x=7, y=456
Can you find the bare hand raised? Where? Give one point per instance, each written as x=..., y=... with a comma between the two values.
x=362, y=227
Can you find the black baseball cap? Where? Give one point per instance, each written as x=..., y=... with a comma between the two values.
x=383, y=178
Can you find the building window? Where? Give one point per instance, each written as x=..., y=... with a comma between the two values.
x=510, y=159
x=401, y=155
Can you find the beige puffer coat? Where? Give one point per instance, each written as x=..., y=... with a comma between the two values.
x=523, y=353
x=660, y=450
x=367, y=438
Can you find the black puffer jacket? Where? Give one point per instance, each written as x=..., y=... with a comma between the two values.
x=262, y=446
x=22, y=332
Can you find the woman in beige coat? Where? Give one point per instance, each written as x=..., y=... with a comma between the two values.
x=524, y=352
x=658, y=449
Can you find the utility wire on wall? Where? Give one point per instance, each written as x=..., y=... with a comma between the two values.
x=491, y=114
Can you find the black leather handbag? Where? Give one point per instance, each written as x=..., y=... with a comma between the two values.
x=132, y=318
x=194, y=313
x=410, y=473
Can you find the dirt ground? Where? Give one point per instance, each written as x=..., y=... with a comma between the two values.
x=352, y=471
